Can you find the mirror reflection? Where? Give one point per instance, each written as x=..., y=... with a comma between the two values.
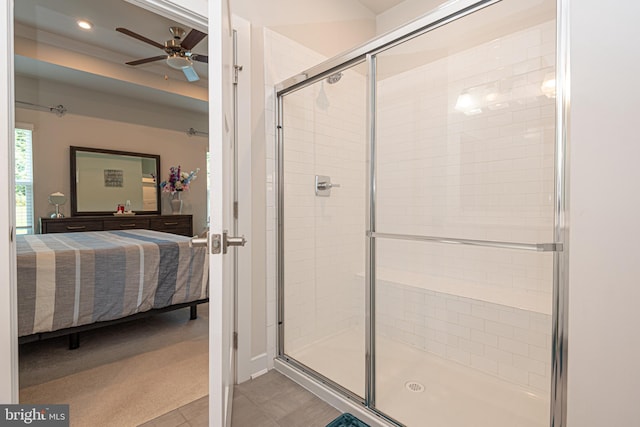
x=103, y=179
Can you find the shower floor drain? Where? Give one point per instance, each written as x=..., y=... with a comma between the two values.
x=414, y=386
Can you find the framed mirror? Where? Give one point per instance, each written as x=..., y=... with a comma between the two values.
x=103, y=179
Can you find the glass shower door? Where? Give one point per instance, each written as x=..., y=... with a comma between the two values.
x=464, y=208
x=323, y=157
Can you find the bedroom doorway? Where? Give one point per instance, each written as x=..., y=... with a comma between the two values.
x=217, y=121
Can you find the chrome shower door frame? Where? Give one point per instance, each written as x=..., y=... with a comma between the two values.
x=367, y=52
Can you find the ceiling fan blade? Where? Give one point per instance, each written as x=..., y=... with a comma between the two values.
x=200, y=58
x=190, y=74
x=139, y=37
x=145, y=60
x=192, y=39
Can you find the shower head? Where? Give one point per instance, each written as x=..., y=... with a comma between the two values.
x=334, y=78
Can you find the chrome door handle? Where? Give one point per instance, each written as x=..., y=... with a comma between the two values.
x=219, y=243
x=199, y=242
x=231, y=241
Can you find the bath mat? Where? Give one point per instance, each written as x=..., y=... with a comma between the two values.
x=347, y=420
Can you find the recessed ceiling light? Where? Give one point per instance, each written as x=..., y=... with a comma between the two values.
x=84, y=24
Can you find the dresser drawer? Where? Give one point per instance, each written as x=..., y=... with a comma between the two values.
x=170, y=224
x=73, y=226
x=126, y=223
x=176, y=224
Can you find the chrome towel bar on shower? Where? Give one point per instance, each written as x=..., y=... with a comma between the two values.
x=537, y=247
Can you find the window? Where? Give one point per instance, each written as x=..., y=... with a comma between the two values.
x=24, y=180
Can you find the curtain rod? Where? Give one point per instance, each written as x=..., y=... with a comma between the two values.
x=59, y=110
x=192, y=132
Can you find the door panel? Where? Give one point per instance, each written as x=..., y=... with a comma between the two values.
x=221, y=124
x=465, y=144
x=324, y=155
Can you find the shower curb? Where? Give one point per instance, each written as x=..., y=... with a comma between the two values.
x=331, y=397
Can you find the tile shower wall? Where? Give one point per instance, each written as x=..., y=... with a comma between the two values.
x=482, y=172
x=451, y=162
x=283, y=59
x=324, y=243
x=483, y=176
x=507, y=342
x=323, y=240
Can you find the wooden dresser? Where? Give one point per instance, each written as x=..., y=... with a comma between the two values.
x=176, y=224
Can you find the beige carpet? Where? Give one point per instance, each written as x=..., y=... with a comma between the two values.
x=122, y=375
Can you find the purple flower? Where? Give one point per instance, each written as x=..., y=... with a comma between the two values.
x=178, y=180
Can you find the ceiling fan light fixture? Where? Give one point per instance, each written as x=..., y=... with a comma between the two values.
x=179, y=62
x=84, y=24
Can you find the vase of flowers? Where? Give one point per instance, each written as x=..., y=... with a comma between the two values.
x=177, y=182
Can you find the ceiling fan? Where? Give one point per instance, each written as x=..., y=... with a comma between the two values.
x=178, y=50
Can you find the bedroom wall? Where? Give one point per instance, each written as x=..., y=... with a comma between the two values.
x=117, y=130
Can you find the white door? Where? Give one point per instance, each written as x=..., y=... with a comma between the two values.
x=221, y=272
x=221, y=125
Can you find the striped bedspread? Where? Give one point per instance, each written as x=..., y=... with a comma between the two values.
x=72, y=279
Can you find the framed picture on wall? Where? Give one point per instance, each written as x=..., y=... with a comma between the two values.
x=113, y=178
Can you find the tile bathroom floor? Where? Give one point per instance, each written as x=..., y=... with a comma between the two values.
x=271, y=400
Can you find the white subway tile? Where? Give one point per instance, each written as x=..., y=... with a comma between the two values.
x=498, y=355
x=471, y=346
x=485, y=312
x=517, y=318
x=530, y=337
x=471, y=322
x=484, y=338
x=529, y=365
x=459, y=331
x=459, y=306
x=539, y=353
x=513, y=346
x=498, y=329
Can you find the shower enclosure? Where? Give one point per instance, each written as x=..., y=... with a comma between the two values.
x=420, y=219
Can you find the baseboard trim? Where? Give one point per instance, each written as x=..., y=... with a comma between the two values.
x=334, y=399
x=259, y=365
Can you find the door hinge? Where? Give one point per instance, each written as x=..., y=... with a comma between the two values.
x=235, y=340
x=236, y=71
x=235, y=210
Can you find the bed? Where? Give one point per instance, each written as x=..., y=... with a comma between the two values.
x=71, y=282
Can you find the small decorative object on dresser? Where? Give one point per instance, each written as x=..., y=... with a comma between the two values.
x=57, y=199
x=175, y=224
x=177, y=182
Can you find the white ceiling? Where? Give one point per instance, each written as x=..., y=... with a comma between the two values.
x=380, y=6
x=54, y=23
x=59, y=17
